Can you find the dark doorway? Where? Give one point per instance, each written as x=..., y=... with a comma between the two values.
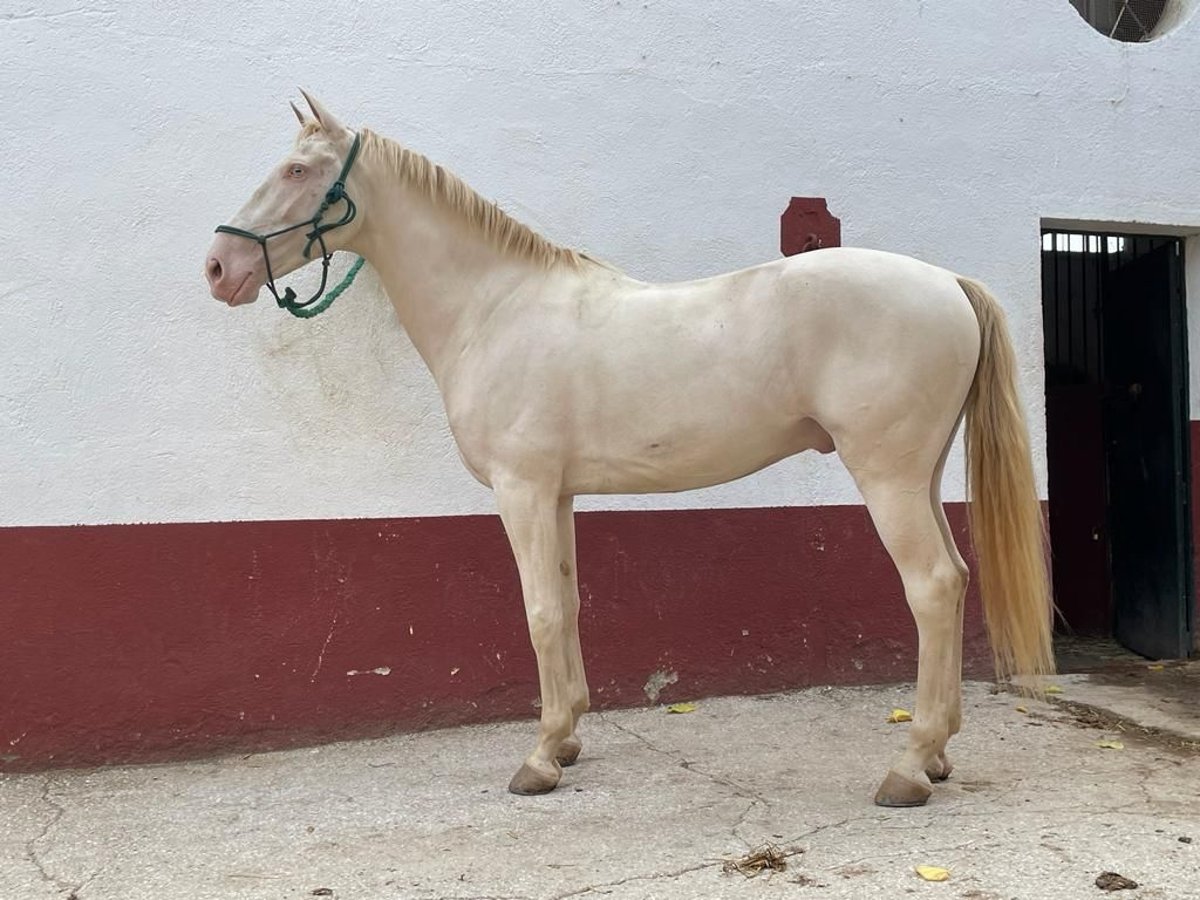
x=1117, y=438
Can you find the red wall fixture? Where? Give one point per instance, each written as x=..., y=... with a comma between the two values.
x=806, y=225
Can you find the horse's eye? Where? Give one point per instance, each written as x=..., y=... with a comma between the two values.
x=296, y=171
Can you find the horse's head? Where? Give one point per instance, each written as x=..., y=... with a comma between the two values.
x=300, y=213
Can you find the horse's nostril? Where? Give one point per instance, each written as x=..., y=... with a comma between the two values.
x=213, y=270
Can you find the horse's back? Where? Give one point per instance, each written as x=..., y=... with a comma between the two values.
x=849, y=289
x=860, y=281
x=844, y=322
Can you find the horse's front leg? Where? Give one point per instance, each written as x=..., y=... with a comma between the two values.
x=530, y=515
x=568, y=582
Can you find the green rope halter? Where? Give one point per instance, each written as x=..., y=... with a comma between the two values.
x=306, y=309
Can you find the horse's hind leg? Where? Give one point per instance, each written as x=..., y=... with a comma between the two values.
x=941, y=768
x=934, y=585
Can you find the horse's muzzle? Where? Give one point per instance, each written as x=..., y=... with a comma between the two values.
x=231, y=277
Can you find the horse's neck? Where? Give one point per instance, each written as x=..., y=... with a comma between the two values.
x=442, y=278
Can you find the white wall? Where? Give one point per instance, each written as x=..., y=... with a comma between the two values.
x=664, y=136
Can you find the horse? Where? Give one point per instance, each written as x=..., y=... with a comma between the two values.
x=561, y=375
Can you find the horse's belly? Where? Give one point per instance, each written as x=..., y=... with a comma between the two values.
x=689, y=460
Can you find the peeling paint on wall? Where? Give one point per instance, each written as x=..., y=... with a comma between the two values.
x=657, y=682
x=381, y=670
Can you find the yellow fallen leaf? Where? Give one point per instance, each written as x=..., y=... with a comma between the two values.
x=681, y=708
x=1053, y=689
x=900, y=715
x=933, y=873
x=1157, y=667
x=1110, y=745
x=1022, y=709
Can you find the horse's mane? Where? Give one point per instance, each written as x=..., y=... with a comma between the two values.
x=446, y=189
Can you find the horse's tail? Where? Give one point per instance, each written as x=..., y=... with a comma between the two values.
x=1006, y=517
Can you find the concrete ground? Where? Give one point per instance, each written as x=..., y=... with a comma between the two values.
x=1035, y=809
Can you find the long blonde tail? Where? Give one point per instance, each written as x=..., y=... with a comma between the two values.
x=1006, y=517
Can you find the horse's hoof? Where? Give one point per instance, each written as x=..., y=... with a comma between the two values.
x=529, y=780
x=897, y=790
x=940, y=768
x=568, y=751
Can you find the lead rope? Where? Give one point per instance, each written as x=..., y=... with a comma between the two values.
x=307, y=312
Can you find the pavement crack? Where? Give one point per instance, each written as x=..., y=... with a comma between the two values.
x=829, y=826
x=741, y=790
x=741, y=820
x=754, y=798
x=655, y=876
x=795, y=842
x=31, y=849
x=644, y=741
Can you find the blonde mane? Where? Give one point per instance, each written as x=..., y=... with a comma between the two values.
x=446, y=189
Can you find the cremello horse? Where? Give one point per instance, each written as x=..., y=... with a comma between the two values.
x=564, y=376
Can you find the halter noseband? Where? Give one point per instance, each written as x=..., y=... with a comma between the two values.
x=335, y=194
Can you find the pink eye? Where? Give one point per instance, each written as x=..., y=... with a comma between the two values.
x=296, y=171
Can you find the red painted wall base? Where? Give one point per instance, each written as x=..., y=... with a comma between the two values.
x=147, y=642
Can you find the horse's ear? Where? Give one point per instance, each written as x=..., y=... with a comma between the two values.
x=323, y=116
x=299, y=115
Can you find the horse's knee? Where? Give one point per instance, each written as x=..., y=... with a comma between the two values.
x=545, y=626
